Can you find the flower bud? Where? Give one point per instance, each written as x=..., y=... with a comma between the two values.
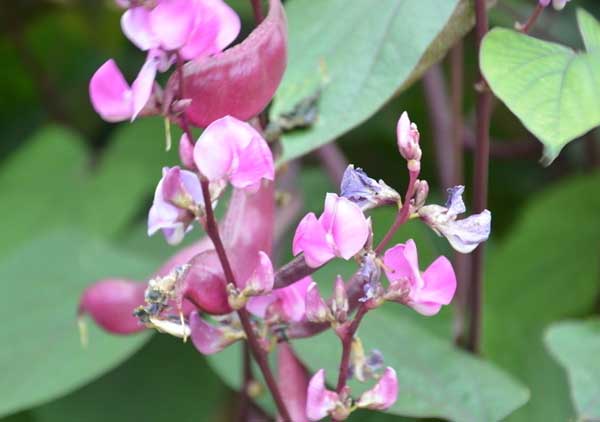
x=365, y=192
x=383, y=395
x=408, y=140
x=316, y=308
x=209, y=338
x=339, y=303
x=421, y=193
x=186, y=152
x=111, y=302
x=262, y=279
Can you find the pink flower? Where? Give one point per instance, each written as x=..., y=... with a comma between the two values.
x=232, y=150
x=178, y=195
x=383, y=395
x=193, y=27
x=212, y=338
x=113, y=99
x=408, y=138
x=424, y=292
x=342, y=230
x=320, y=401
x=289, y=303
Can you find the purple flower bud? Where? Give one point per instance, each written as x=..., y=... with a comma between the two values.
x=383, y=395
x=186, y=152
x=365, y=192
x=209, y=338
x=339, y=303
x=316, y=308
x=111, y=302
x=464, y=235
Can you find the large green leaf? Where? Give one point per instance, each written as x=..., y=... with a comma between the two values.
x=435, y=378
x=552, y=89
x=365, y=53
x=41, y=357
x=546, y=271
x=576, y=346
x=165, y=380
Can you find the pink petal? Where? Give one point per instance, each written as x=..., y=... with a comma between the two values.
x=207, y=338
x=186, y=152
x=402, y=262
x=262, y=278
x=214, y=152
x=172, y=22
x=292, y=379
x=350, y=228
x=135, y=24
x=383, y=395
x=255, y=164
x=316, y=308
x=293, y=299
x=143, y=84
x=111, y=302
x=403, y=131
x=311, y=238
x=228, y=22
x=242, y=80
x=110, y=95
x=440, y=282
x=319, y=400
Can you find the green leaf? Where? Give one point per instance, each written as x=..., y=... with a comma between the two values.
x=589, y=28
x=576, y=346
x=546, y=271
x=165, y=380
x=42, y=357
x=435, y=378
x=552, y=89
x=363, y=55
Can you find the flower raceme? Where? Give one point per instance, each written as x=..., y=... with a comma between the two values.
x=424, y=292
x=341, y=231
x=189, y=29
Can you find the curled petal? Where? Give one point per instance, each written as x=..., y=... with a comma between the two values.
x=262, y=279
x=454, y=203
x=464, y=235
x=215, y=151
x=383, y=395
x=110, y=94
x=401, y=261
x=208, y=338
x=141, y=88
x=242, y=80
x=111, y=302
x=316, y=308
x=293, y=299
x=364, y=191
x=311, y=238
x=319, y=401
x=255, y=163
x=186, y=152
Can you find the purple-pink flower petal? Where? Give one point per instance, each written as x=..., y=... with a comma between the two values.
x=172, y=22
x=383, y=395
x=319, y=401
x=292, y=379
x=311, y=238
x=141, y=88
x=136, y=26
x=110, y=94
x=208, y=338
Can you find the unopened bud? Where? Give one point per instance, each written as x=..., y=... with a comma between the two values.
x=421, y=193
x=316, y=308
x=339, y=303
x=408, y=141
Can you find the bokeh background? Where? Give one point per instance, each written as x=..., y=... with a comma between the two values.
x=75, y=192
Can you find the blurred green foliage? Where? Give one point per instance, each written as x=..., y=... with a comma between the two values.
x=75, y=192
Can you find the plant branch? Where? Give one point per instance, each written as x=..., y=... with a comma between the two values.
x=531, y=21
x=402, y=215
x=333, y=160
x=346, y=337
x=480, y=185
x=258, y=11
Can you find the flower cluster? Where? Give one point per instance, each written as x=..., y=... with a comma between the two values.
x=225, y=288
x=168, y=30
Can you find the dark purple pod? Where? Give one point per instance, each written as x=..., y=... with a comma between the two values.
x=111, y=302
x=241, y=81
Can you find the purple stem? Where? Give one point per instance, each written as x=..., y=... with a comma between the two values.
x=532, y=18
x=334, y=162
x=480, y=185
x=347, y=336
x=258, y=11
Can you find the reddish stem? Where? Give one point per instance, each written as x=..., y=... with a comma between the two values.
x=532, y=18
x=403, y=215
x=347, y=337
x=258, y=11
x=480, y=185
x=212, y=230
